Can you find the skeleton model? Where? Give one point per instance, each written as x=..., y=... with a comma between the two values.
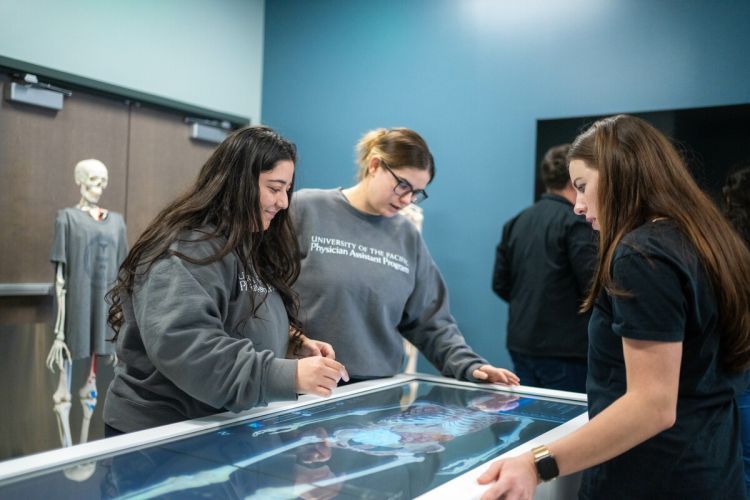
x=88, y=247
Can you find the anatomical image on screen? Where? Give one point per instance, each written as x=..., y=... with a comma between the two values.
x=396, y=442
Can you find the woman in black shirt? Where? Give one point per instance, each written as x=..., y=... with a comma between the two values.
x=669, y=332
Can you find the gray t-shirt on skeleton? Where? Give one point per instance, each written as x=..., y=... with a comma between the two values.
x=91, y=252
x=367, y=280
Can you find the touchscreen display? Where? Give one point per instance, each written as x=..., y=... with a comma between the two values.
x=396, y=442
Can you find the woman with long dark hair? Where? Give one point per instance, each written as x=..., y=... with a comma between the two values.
x=203, y=308
x=669, y=334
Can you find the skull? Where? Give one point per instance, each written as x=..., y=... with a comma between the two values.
x=92, y=176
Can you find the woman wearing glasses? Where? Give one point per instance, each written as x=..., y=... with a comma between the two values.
x=367, y=278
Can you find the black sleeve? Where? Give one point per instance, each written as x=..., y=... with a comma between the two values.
x=582, y=253
x=501, y=275
x=656, y=308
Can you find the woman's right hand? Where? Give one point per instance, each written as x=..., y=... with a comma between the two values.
x=513, y=478
x=318, y=375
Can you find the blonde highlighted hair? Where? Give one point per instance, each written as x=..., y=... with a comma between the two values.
x=398, y=147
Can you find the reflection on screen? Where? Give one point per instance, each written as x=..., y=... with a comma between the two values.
x=387, y=443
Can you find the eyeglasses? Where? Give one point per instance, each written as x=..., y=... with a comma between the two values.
x=404, y=187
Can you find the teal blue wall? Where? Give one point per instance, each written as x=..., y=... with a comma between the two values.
x=205, y=53
x=473, y=76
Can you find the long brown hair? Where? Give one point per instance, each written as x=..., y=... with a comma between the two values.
x=641, y=176
x=225, y=197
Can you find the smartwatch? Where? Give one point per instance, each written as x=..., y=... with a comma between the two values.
x=546, y=465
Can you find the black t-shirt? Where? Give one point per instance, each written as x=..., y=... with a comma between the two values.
x=672, y=300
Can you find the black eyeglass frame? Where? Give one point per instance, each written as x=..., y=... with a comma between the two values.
x=403, y=186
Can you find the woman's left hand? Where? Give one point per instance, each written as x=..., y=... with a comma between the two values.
x=512, y=478
x=491, y=374
x=311, y=347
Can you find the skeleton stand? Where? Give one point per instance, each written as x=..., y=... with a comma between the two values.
x=59, y=358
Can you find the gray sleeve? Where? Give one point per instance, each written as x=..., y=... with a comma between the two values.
x=122, y=243
x=428, y=324
x=59, y=243
x=178, y=309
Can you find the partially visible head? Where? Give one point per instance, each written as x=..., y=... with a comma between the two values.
x=736, y=192
x=737, y=188
x=92, y=176
x=554, y=168
x=250, y=175
x=395, y=166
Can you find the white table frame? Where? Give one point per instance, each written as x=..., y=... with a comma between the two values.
x=464, y=486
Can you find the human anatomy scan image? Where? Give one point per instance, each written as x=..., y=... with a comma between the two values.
x=396, y=442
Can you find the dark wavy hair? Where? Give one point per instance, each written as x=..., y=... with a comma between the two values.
x=737, y=200
x=226, y=198
x=642, y=176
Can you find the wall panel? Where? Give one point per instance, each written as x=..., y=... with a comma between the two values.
x=38, y=152
x=164, y=162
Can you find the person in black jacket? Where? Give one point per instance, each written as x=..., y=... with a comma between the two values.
x=543, y=267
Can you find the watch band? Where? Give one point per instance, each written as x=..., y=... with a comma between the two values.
x=546, y=465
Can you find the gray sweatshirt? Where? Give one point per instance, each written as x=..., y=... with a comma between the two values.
x=367, y=280
x=189, y=346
